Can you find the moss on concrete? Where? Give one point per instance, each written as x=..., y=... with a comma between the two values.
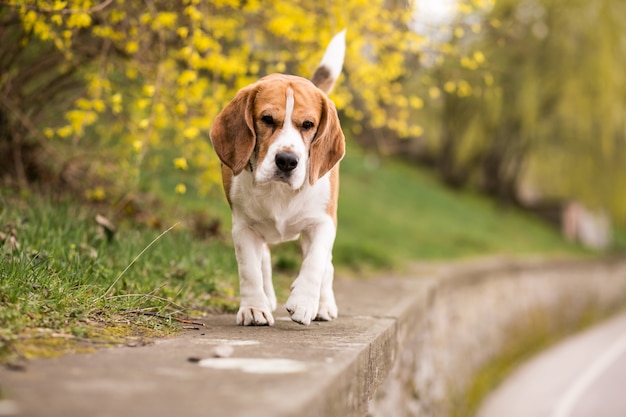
x=45, y=343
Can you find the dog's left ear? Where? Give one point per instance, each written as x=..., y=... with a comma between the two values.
x=232, y=133
x=329, y=144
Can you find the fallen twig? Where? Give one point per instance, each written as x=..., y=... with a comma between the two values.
x=195, y=323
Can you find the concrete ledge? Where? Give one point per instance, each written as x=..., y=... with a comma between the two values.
x=477, y=310
x=401, y=347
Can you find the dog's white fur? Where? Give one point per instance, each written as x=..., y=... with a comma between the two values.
x=277, y=116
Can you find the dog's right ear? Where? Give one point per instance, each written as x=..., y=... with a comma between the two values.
x=232, y=133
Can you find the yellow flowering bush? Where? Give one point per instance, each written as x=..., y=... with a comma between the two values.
x=142, y=81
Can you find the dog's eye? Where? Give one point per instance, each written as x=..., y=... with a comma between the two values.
x=268, y=120
x=307, y=125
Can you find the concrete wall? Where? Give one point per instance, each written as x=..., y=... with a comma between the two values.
x=473, y=312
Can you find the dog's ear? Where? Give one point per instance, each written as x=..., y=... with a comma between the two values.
x=328, y=145
x=232, y=133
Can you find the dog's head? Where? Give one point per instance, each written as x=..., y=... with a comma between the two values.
x=282, y=128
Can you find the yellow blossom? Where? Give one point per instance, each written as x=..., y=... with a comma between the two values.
x=59, y=5
x=186, y=77
x=65, y=131
x=164, y=20
x=95, y=194
x=180, y=188
x=149, y=90
x=183, y=32
x=131, y=47
x=191, y=132
x=479, y=57
x=181, y=163
x=181, y=108
x=434, y=92
x=469, y=63
x=79, y=20
x=449, y=86
x=98, y=105
x=416, y=102
x=464, y=89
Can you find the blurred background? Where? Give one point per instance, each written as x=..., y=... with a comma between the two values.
x=475, y=128
x=522, y=101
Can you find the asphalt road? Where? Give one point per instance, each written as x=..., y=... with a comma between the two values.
x=583, y=376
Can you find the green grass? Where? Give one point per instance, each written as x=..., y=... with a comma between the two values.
x=390, y=212
x=68, y=278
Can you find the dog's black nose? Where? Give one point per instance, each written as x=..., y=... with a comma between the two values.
x=286, y=161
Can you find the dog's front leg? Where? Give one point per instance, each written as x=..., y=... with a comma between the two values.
x=255, y=309
x=328, y=306
x=268, y=285
x=304, y=301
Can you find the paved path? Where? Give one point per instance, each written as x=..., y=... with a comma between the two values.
x=583, y=376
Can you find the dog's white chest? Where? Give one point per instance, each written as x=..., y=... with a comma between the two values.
x=275, y=211
x=277, y=228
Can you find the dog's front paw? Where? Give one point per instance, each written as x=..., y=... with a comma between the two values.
x=327, y=311
x=254, y=316
x=302, y=307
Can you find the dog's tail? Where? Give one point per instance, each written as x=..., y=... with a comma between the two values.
x=329, y=69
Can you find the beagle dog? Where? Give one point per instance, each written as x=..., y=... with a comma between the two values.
x=280, y=142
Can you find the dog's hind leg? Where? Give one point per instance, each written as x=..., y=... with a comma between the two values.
x=268, y=285
x=328, y=306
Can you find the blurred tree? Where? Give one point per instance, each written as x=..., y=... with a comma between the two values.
x=551, y=112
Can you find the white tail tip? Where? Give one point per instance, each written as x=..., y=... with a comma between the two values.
x=334, y=55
